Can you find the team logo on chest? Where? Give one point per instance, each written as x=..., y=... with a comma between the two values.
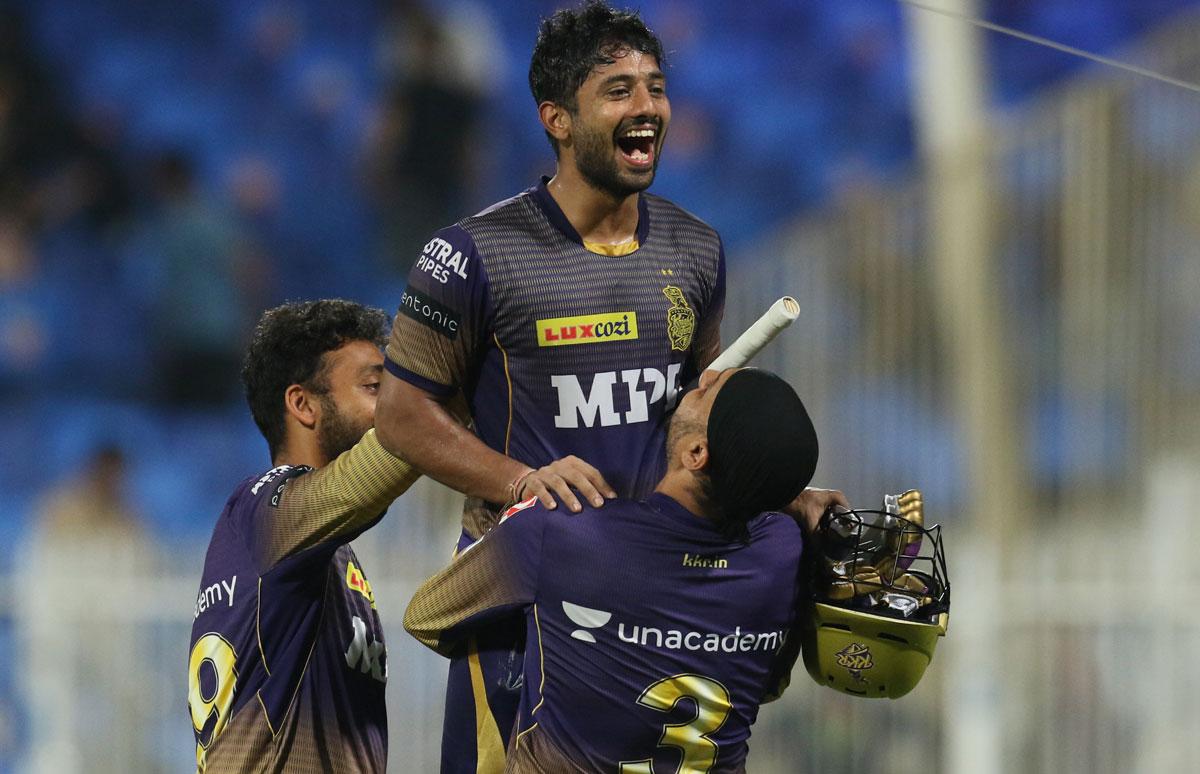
x=681, y=320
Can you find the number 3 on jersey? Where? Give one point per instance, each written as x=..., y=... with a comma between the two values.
x=712, y=707
x=212, y=676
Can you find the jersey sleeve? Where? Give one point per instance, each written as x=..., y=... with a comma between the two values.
x=441, y=325
x=707, y=343
x=301, y=509
x=493, y=577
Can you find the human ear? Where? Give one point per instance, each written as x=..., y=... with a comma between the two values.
x=556, y=120
x=695, y=453
x=300, y=404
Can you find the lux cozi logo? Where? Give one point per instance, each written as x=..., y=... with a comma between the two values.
x=587, y=329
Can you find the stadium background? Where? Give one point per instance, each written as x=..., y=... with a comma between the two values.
x=994, y=245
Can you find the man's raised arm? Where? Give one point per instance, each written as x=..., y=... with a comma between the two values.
x=419, y=427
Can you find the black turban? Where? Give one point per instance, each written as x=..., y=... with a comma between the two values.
x=762, y=446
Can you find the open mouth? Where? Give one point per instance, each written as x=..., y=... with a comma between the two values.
x=637, y=146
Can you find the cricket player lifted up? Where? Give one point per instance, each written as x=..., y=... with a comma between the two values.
x=567, y=317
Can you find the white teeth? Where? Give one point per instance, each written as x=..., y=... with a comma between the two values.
x=639, y=133
x=638, y=155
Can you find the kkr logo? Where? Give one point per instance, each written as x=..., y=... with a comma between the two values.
x=645, y=387
x=587, y=617
x=430, y=313
x=587, y=329
x=855, y=658
x=681, y=320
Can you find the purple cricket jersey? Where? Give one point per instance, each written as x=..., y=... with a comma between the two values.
x=652, y=638
x=557, y=350
x=287, y=662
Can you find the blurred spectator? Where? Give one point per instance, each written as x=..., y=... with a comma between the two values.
x=421, y=159
x=92, y=506
x=52, y=168
x=209, y=289
x=88, y=554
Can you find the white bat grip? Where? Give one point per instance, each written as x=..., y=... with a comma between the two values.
x=781, y=314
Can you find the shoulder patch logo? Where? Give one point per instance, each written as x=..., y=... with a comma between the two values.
x=430, y=313
x=440, y=258
x=681, y=320
x=270, y=474
x=358, y=582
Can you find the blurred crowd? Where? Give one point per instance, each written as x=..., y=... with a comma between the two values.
x=168, y=171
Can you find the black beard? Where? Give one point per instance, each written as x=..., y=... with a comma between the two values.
x=595, y=160
x=336, y=433
x=677, y=428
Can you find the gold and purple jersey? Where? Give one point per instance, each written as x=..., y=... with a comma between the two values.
x=557, y=348
x=651, y=637
x=287, y=662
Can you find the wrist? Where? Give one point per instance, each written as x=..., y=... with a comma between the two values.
x=516, y=486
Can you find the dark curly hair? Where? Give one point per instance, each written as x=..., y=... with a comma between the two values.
x=572, y=42
x=289, y=347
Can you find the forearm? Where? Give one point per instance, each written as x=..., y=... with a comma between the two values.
x=415, y=426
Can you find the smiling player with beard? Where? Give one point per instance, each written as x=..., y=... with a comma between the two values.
x=287, y=663
x=566, y=317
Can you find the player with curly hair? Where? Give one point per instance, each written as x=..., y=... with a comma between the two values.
x=288, y=663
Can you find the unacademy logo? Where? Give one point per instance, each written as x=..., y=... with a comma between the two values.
x=587, y=617
x=673, y=639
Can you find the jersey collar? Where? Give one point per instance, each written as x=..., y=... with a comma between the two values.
x=669, y=507
x=555, y=215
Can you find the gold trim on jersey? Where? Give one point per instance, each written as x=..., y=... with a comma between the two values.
x=262, y=653
x=507, y=381
x=517, y=742
x=615, y=251
x=537, y=625
x=307, y=662
x=266, y=715
x=489, y=746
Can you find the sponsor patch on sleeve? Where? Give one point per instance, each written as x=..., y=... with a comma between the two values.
x=430, y=313
x=440, y=260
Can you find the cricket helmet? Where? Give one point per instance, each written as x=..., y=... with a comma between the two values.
x=880, y=599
